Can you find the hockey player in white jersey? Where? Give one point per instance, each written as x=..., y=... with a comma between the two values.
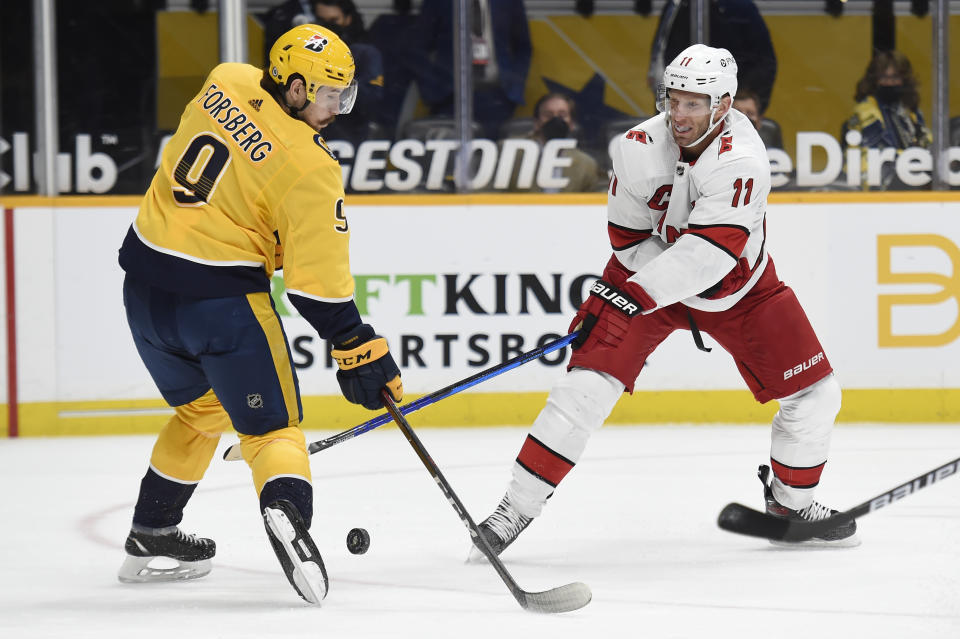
x=686, y=209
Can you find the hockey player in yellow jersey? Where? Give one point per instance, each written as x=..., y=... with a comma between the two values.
x=246, y=186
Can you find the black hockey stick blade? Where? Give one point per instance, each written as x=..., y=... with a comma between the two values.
x=561, y=599
x=740, y=519
x=737, y=518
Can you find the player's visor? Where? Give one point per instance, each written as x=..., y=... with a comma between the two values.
x=689, y=105
x=683, y=105
x=340, y=100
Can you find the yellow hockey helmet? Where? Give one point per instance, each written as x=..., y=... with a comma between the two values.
x=318, y=56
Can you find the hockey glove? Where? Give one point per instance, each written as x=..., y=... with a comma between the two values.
x=604, y=317
x=366, y=366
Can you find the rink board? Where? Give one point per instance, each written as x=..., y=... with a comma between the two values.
x=459, y=283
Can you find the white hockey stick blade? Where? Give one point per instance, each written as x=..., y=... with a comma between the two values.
x=561, y=599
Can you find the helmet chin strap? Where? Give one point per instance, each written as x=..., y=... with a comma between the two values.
x=294, y=110
x=709, y=130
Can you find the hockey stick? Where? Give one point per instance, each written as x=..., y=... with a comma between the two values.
x=234, y=453
x=746, y=521
x=561, y=599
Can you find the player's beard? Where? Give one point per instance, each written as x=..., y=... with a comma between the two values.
x=319, y=125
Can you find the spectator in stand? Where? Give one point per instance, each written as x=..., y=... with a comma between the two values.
x=735, y=25
x=501, y=59
x=887, y=112
x=390, y=32
x=747, y=102
x=554, y=118
x=341, y=17
x=281, y=18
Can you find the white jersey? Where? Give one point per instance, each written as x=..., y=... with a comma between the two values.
x=693, y=232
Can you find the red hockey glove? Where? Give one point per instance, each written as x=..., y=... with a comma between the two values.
x=366, y=366
x=604, y=317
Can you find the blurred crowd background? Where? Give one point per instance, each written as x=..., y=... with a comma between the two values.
x=493, y=95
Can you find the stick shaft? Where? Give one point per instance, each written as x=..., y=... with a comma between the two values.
x=233, y=453
x=800, y=533
x=561, y=599
x=895, y=494
x=445, y=392
x=447, y=491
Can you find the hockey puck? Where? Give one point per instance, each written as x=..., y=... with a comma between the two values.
x=358, y=541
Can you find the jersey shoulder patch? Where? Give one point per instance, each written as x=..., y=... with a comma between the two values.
x=319, y=141
x=740, y=144
x=639, y=135
x=726, y=144
x=642, y=154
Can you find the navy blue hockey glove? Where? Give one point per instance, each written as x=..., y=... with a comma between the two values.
x=366, y=366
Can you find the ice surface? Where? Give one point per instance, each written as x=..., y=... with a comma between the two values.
x=635, y=520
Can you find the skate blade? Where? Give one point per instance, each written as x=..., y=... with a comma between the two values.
x=815, y=544
x=136, y=570
x=475, y=556
x=307, y=576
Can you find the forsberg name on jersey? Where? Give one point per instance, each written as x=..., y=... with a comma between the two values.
x=236, y=123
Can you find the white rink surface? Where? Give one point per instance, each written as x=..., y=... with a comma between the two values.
x=634, y=520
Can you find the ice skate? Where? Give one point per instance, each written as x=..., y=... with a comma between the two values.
x=190, y=553
x=500, y=529
x=296, y=551
x=843, y=536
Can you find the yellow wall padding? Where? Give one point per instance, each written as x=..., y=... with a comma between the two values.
x=187, y=50
x=820, y=58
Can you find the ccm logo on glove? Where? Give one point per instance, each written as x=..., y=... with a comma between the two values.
x=366, y=366
x=360, y=356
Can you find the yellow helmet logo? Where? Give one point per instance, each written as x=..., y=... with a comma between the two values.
x=316, y=43
x=316, y=54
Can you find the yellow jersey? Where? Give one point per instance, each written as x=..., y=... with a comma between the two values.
x=243, y=189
